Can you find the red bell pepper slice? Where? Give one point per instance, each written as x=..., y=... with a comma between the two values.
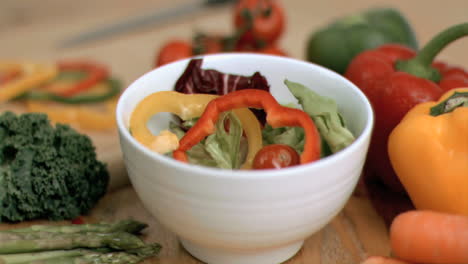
x=96, y=74
x=277, y=116
x=9, y=75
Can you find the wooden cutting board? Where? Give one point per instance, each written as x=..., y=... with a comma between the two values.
x=358, y=231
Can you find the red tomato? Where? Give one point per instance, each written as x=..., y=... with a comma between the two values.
x=273, y=50
x=213, y=46
x=208, y=44
x=262, y=20
x=172, y=51
x=275, y=156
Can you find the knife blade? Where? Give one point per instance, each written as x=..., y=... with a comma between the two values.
x=139, y=22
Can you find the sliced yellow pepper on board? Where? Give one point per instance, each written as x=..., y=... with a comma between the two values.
x=429, y=152
x=84, y=117
x=32, y=74
x=188, y=106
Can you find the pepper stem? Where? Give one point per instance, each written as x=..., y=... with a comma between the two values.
x=420, y=65
x=457, y=99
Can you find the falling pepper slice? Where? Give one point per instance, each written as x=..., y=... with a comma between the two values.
x=277, y=116
x=188, y=106
x=31, y=75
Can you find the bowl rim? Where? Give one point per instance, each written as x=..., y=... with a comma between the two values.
x=226, y=173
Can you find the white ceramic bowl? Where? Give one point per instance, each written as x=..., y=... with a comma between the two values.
x=247, y=217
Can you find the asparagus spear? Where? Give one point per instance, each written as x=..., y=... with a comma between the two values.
x=82, y=256
x=41, y=241
x=39, y=256
x=130, y=226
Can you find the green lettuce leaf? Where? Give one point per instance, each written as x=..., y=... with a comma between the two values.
x=292, y=136
x=222, y=149
x=324, y=112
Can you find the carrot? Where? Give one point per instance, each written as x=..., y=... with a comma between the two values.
x=382, y=260
x=430, y=237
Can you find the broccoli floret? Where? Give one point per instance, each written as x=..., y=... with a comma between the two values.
x=46, y=172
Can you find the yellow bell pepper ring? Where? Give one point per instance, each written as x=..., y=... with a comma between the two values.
x=429, y=151
x=30, y=76
x=188, y=106
x=82, y=117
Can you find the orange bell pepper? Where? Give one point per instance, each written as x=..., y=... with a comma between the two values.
x=429, y=151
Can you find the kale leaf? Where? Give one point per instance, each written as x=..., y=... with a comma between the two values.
x=46, y=172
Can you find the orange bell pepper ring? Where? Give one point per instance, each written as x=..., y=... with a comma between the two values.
x=27, y=76
x=277, y=116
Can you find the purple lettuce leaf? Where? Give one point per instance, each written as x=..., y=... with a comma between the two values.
x=209, y=81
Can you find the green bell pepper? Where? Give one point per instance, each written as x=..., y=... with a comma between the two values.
x=336, y=45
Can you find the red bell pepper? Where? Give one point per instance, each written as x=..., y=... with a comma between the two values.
x=78, y=221
x=277, y=116
x=395, y=79
x=9, y=75
x=96, y=73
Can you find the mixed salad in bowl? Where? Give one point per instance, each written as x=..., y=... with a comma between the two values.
x=232, y=121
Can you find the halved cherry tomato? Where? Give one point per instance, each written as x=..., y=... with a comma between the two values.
x=275, y=156
x=172, y=51
x=259, y=20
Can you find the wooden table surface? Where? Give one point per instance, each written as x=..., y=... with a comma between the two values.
x=32, y=30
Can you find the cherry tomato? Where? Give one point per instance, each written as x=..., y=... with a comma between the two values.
x=213, y=46
x=275, y=156
x=207, y=44
x=273, y=50
x=262, y=20
x=172, y=51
